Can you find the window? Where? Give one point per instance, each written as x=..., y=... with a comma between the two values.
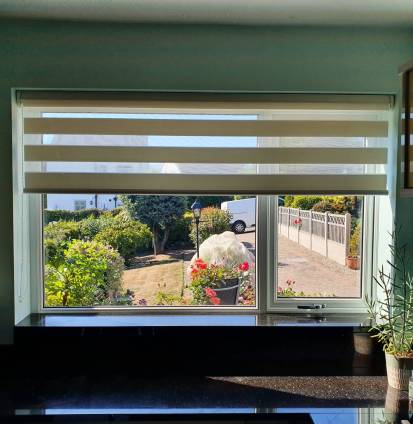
x=79, y=205
x=108, y=258
x=286, y=191
x=319, y=246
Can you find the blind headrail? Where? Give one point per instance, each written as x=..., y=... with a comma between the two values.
x=203, y=100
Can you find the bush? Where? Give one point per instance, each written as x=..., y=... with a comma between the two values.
x=338, y=205
x=89, y=272
x=325, y=206
x=355, y=241
x=301, y=202
x=56, y=236
x=127, y=237
x=66, y=215
x=89, y=227
x=213, y=221
x=179, y=234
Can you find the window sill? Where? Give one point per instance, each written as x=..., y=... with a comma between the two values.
x=355, y=321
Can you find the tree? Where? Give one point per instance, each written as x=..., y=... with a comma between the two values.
x=206, y=201
x=160, y=213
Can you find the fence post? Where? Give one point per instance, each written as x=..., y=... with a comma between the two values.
x=326, y=233
x=347, y=232
x=288, y=228
x=311, y=229
x=298, y=226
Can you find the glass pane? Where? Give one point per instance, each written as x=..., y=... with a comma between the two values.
x=319, y=246
x=141, y=251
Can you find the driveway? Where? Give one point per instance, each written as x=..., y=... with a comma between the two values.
x=313, y=274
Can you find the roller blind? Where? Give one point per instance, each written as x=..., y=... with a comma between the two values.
x=164, y=143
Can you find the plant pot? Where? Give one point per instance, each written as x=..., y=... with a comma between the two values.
x=228, y=291
x=399, y=370
x=353, y=262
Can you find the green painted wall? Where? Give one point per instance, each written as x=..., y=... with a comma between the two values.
x=118, y=56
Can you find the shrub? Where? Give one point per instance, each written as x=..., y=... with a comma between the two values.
x=56, y=236
x=89, y=227
x=213, y=221
x=325, y=206
x=179, y=234
x=66, y=215
x=301, y=202
x=355, y=241
x=89, y=272
x=338, y=205
x=127, y=237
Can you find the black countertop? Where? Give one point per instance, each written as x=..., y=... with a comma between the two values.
x=120, y=395
x=197, y=345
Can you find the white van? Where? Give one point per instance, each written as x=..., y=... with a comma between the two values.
x=242, y=212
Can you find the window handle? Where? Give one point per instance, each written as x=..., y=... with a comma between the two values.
x=313, y=306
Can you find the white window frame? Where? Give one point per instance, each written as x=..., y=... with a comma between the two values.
x=333, y=305
x=266, y=269
x=266, y=272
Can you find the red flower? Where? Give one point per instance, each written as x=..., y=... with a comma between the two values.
x=194, y=271
x=200, y=264
x=215, y=300
x=244, y=266
x=210, y=293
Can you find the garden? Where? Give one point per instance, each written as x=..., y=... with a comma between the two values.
x=143, y=254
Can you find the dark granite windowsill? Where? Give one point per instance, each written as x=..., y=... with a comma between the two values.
x=50, y=320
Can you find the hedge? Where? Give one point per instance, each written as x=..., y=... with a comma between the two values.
x=66, y=215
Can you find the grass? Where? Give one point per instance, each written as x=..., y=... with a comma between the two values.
x=151, y=275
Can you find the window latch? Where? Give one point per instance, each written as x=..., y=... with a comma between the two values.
x=313, y=306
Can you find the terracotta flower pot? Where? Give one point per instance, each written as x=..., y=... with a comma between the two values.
x=353, y=262
x=399, y=370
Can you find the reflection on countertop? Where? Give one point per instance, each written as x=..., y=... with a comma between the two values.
x=328, y=399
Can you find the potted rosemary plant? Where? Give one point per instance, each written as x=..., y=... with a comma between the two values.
x=392, y=315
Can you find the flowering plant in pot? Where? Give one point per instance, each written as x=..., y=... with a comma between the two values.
x=217, y=284
x=392, y=315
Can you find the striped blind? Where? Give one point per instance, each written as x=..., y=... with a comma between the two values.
x=204, y=144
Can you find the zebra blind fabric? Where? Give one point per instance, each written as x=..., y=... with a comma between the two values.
x=204, y=144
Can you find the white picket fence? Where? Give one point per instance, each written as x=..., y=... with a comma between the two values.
x=322, y=232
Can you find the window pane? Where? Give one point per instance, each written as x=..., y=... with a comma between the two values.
x=142, y=251
x=319, y=246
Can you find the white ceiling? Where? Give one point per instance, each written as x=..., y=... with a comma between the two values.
x=303, y=12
